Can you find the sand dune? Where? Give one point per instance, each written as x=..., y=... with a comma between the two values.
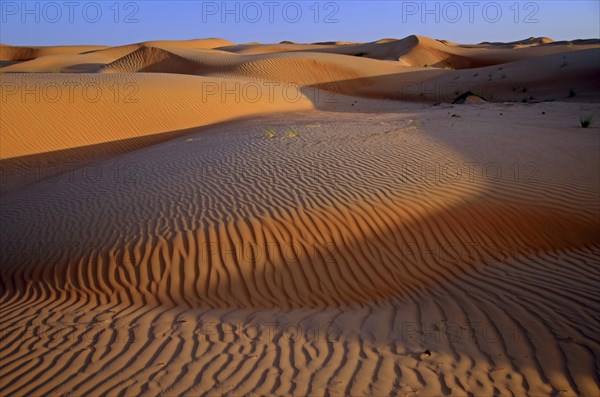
x=200, y=218
x=66, y=120
x=308, y=66
x=82, y=63
x=145, y=104
x=86, y=58
x=152, y=60
x=194, y=43
x=10, y=53
x=249, y=232
x=563, y=76
x=422, y=51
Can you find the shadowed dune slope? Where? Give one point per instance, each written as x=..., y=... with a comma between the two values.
x=189, y=275
x=258, y=222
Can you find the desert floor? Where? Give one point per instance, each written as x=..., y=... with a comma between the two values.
x=203, y=218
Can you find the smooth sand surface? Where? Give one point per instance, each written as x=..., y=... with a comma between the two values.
x=204, y=218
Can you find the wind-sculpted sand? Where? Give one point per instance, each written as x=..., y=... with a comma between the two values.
x=319, y=239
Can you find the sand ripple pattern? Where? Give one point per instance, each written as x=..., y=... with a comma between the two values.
x=416, y=283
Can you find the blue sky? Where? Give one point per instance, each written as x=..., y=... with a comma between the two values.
x=119, y=22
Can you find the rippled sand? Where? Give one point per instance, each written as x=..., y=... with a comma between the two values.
x=179, y=240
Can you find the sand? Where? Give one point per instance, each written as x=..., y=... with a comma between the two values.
x=204, y=218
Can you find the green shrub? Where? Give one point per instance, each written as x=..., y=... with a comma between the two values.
x=586, y=121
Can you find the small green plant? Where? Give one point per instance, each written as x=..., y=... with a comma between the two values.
x=56, y=70
x=524, y=89
x=448, y=67
x=476, y=74
x=360, y=54
x=413, y=124
x=570, y=44
x=293, y=133
x=270, y=133
x=571, y=93
x=586, y=121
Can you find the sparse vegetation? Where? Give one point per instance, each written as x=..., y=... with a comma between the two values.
x=571, y=93
x=524, y=89
x=586, y=121
x=413, y=124
x=293, y=132
x=360, y=54
x=476, y=74
x=270, y=133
